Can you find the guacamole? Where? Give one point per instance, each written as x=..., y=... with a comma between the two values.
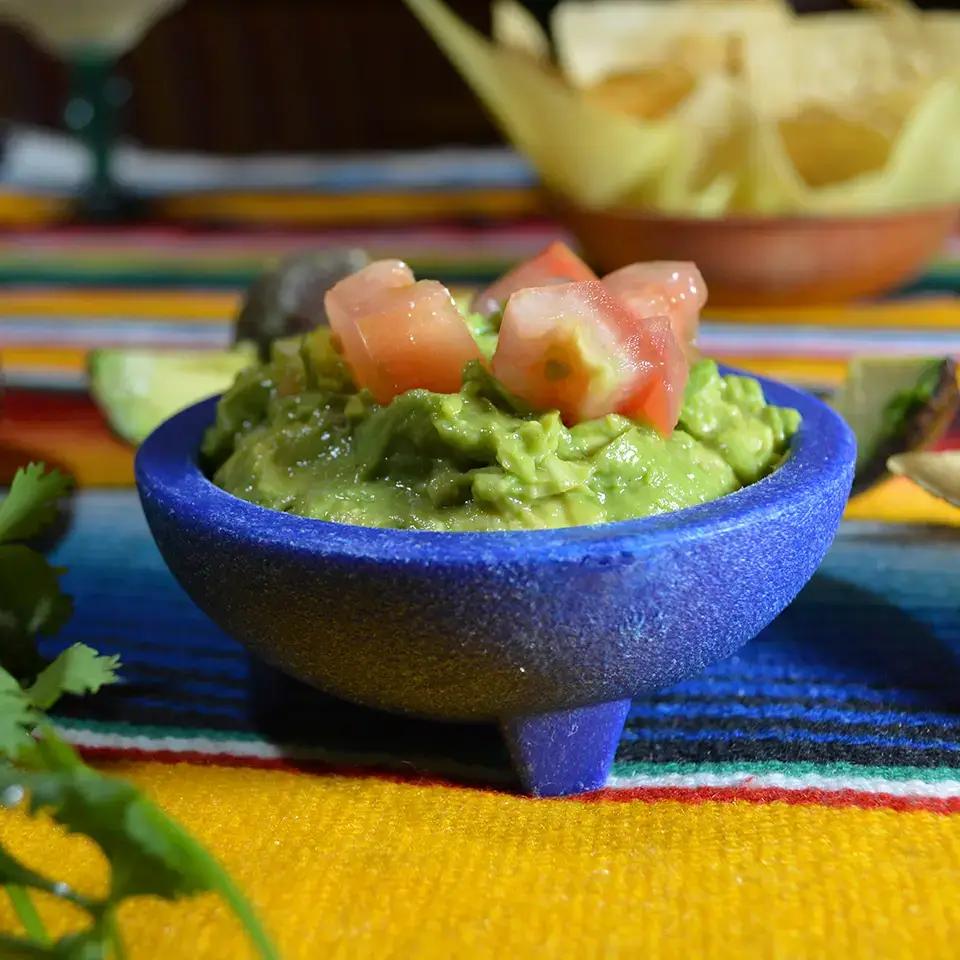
x=294, y=434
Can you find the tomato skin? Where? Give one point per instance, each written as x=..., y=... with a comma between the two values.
x=556, y=264
x=406, y=338
x=659, y=401
x=347, y=300
x=584, y=347
x=351, y=293
x=574, y=348
x=669, y=288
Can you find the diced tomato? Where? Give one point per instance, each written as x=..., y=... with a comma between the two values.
x=557, y=264
x=401, y=338
x=659, y=401
x=351, y=293
x=665, y=288
x=575, y=348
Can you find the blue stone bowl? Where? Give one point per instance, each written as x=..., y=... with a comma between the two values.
x=548, y=633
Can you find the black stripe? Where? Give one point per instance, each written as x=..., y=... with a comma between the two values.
x=402, y=740
x=752, y=751
x=752, y=727
x=826, y=703
x=190, y=651
x=115, y=698
x=164, y=683
x=916, y=684
x=173, y=675
x=138, y=715
x=154, y=633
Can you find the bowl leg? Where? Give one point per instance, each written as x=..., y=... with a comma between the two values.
x=568, y=752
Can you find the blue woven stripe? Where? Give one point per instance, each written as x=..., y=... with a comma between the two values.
x=863, y=667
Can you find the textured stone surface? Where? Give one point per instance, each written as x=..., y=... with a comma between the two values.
x=495, y=626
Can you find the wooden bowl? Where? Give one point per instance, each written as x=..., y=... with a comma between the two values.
x=758, y=262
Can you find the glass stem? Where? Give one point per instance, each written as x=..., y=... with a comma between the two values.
x=92, y=114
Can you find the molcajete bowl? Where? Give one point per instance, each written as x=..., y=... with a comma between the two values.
x=549, y=633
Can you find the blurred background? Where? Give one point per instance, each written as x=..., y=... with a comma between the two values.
x=247, y=76
x=159, y=155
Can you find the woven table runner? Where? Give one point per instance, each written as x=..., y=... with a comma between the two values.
x=797, y=800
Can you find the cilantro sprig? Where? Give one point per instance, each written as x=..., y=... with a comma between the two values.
x=149, y=854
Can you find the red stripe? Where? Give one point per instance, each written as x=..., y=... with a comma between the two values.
x=692, y=795
x=285, y=764
x=808, y=797
x=193, y=757
x=30, y=407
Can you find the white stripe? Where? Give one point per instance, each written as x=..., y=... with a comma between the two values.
x=52, y=378
x=255, y=749
x=942, y=789
x=215, y=337
x=260, y=750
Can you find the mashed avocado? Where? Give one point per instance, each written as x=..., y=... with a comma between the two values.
x=294, y=434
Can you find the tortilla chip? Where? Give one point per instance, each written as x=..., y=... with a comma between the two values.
x=596, y=39
x=923, y=167
x=513, y=26
x=705, y=171
x=710, y=108
x=649, y=95
x=826, y=148
x=592, y=155
x=833, y=60
x=941, y=34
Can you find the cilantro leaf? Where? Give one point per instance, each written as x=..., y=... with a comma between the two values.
x=32, y=502
x=13, y=948
x=88, y=945
x=30, y=591
x=13, y=871
x=17, y=718
x=147, y=854
x=78, y=670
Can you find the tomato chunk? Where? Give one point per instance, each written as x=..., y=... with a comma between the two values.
x=575, y=348
x=668, y=288
x=351, y=293
x=400, y=338
x=660, y=400
x=557, y=264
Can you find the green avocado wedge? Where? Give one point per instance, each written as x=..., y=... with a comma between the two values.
x=136, y=390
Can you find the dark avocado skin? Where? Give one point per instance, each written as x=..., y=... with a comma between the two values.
x=287, y=299
x=925, y=424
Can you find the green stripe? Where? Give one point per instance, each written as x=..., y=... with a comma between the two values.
x=842, y=770
x=136, y=730
x=239, y=273
x=162, y=275
x=620, y=770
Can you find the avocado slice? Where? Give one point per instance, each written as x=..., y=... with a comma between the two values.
x=895, y=405
x=136, y=390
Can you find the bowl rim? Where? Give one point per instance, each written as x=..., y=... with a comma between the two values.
x=934, y=211
x=822, y=453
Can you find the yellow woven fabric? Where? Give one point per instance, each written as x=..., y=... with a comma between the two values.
x=364, y=867
x=345, y=868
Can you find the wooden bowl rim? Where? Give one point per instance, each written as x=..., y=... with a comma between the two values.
x=932, y=212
